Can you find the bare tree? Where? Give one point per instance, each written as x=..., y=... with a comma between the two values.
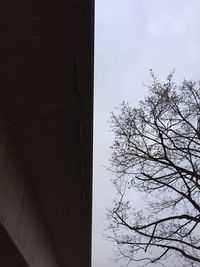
x=157, y=152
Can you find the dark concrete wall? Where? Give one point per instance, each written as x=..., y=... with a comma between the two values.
x=9, y=254
x=46, y=98
x=18, y=211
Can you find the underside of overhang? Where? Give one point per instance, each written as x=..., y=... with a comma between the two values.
x=46, y=100
x=10, y=255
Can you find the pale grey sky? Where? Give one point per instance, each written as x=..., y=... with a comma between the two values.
x=132, y=36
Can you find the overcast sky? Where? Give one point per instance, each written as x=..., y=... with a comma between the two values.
x=132, y=37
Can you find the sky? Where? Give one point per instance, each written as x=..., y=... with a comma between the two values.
x=132, y=37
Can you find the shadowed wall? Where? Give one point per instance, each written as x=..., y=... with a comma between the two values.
x=46, y=101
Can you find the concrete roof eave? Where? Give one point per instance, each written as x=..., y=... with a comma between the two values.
x=47, y=102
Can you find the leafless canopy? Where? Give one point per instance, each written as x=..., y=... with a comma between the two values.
x=157, y=151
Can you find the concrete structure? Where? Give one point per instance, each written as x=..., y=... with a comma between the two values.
x=46, y=107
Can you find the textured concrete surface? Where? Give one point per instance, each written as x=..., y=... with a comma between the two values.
x=18, y=212
x=46, y=100
x=9, y=256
